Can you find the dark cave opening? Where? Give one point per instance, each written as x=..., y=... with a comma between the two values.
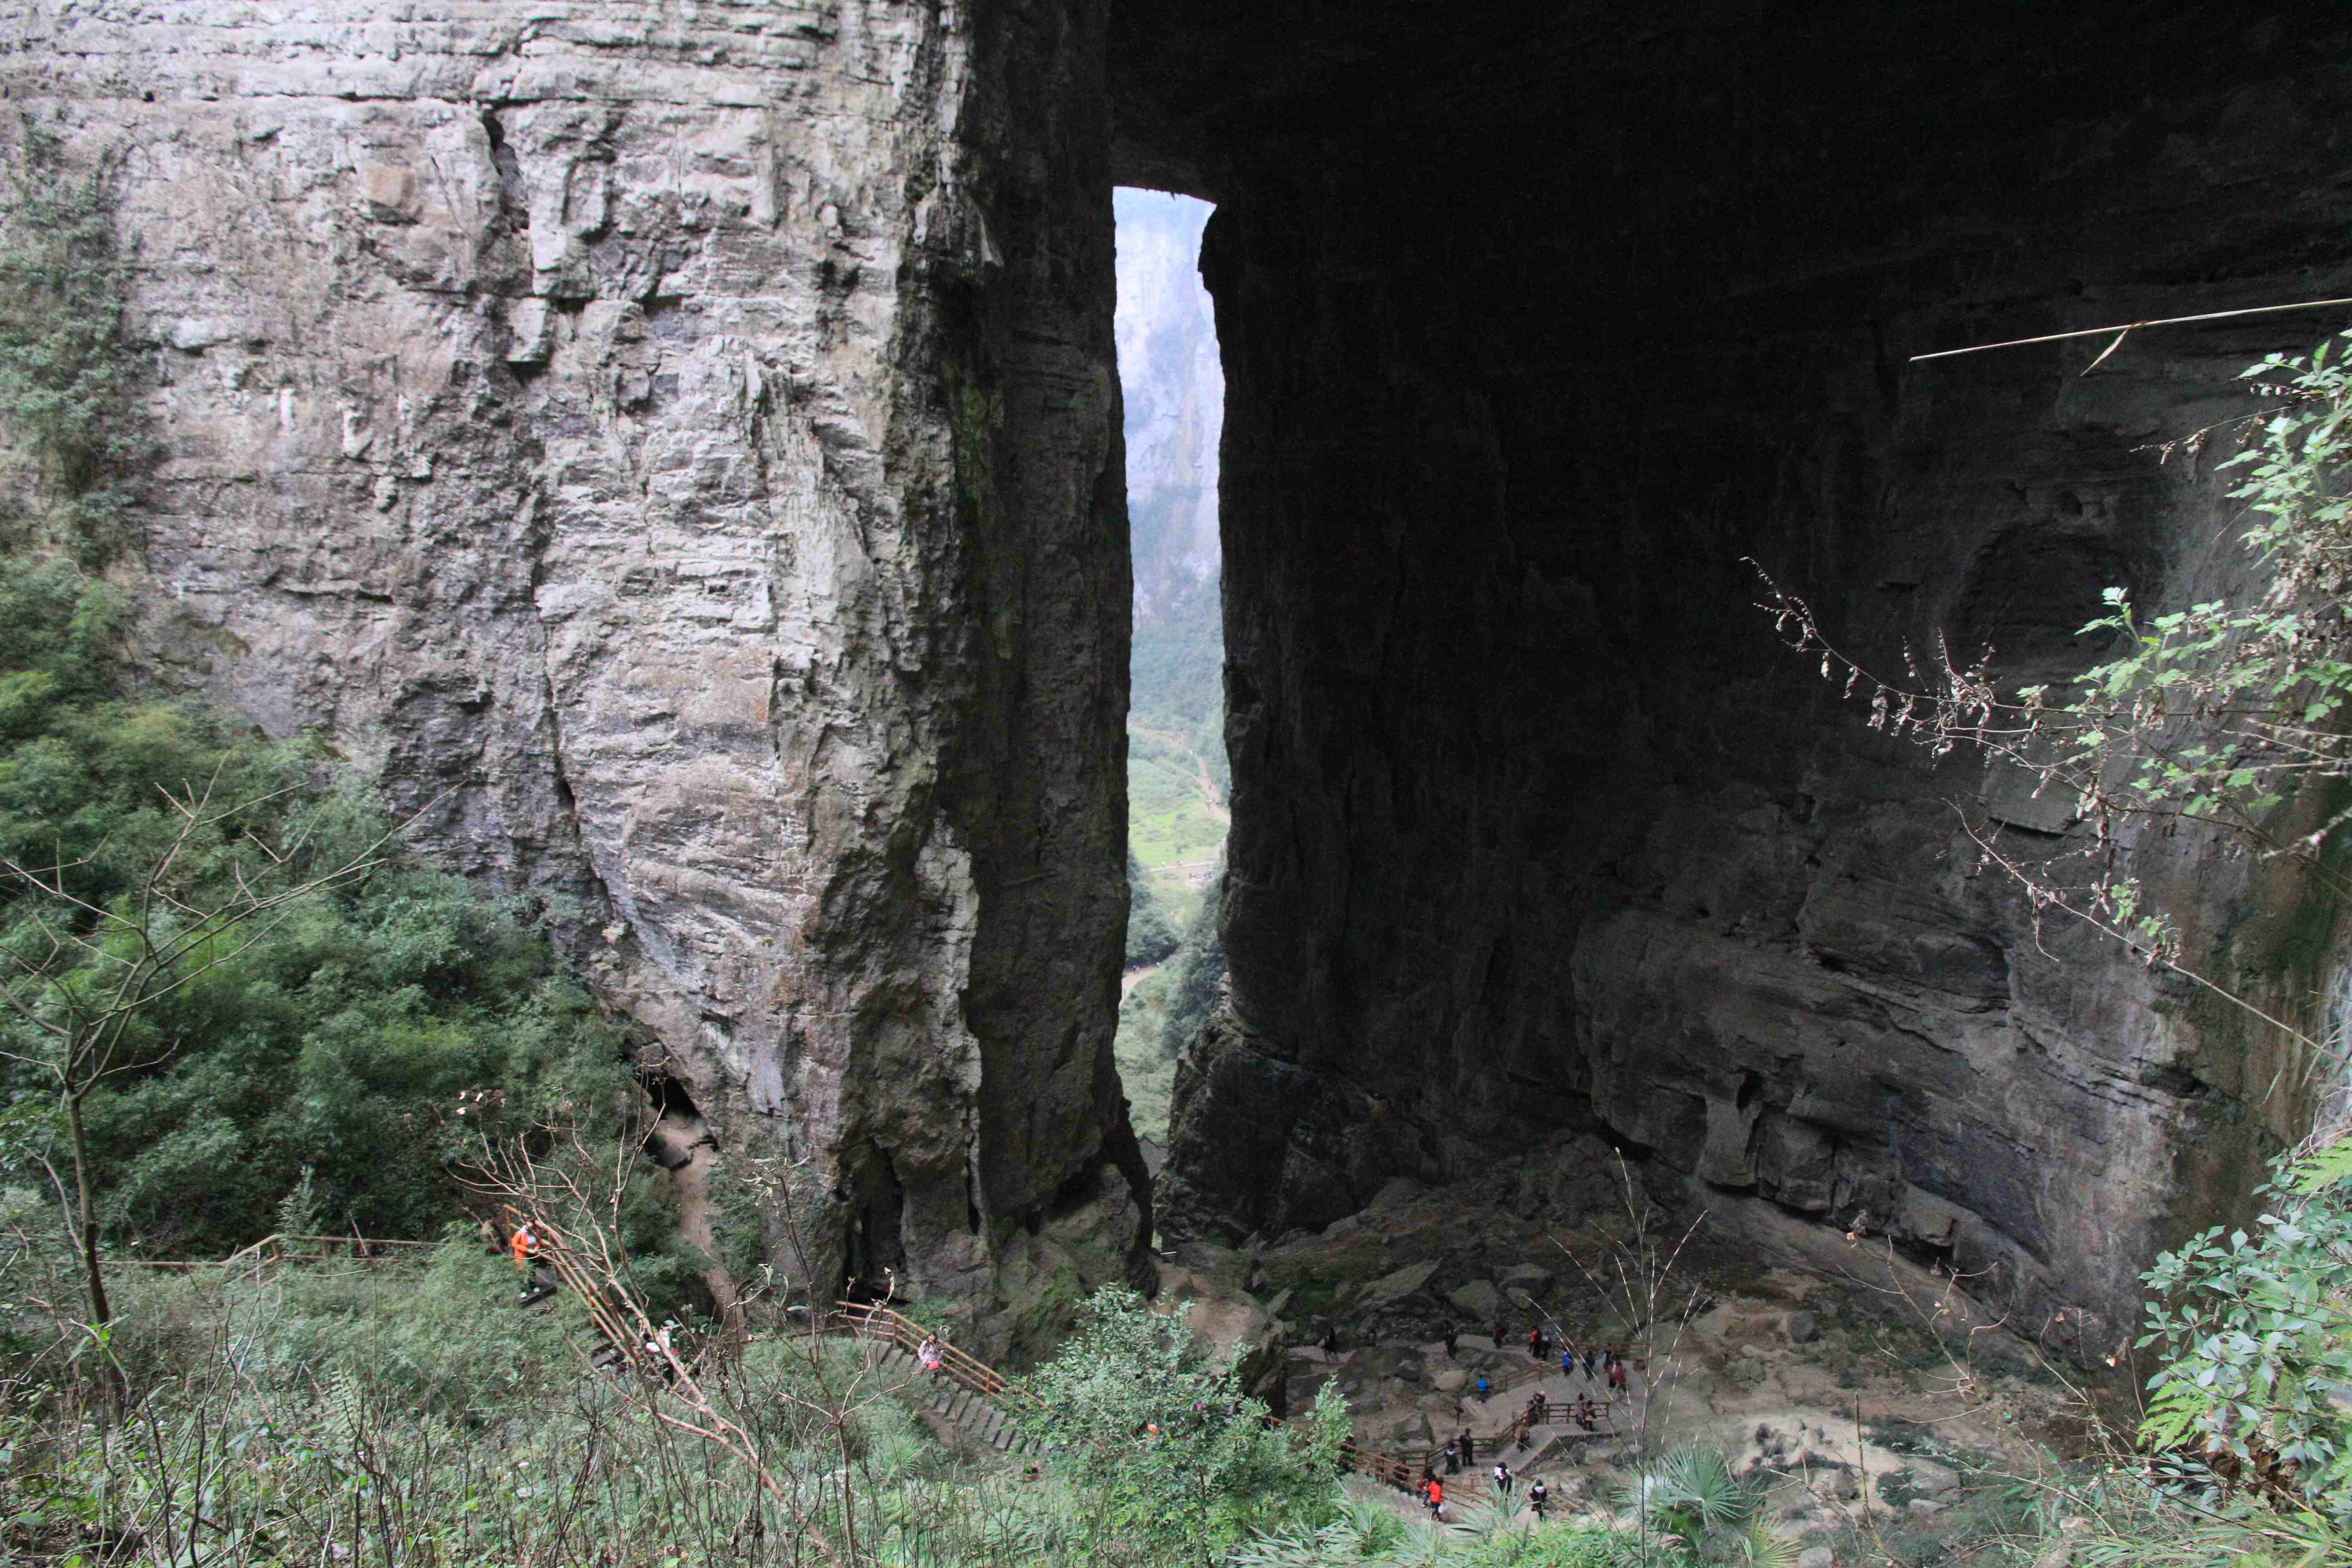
x=1534, y=333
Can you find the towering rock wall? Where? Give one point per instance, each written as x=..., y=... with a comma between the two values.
x=1530, y=336
x=676, y=450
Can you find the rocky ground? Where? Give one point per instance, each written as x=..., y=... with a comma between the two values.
x=1866, y=1388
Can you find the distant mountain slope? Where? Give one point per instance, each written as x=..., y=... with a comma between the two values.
x=1177, y=775
x=1175, y=392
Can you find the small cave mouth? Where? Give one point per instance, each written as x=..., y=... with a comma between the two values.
x=668, y=1094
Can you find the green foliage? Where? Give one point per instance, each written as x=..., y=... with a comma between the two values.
x=1177, y=774
x=66, y=374
x=1692, y=1494
x=2254, y=1333
x=2218, y=713
x=415, y=1414
x=329, y=1057
x=1200, y=967
x=1177, y=662
x=1369, y=1533
x=1143, y=1420
x=1150, y=935
x=1148, y=1076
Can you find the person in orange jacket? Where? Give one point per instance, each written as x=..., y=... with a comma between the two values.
x=1436, y=1497
x=524, y=1244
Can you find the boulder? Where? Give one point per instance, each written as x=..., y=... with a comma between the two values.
x=1452, y=1380
x=1816, y=1557
x=1397, y=1285
x=1921, y=1508
x=1478, y=1300
x=1803, y=1328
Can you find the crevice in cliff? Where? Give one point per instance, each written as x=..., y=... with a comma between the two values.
x=874, y=1247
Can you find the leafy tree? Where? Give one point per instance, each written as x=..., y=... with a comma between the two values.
x=2253, y=1332
x=1159, y=1434
x=1693, y=1495
x=83, y=979
x=1150, y=936
x=363, y=1031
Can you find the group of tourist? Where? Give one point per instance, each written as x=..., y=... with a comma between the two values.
x=1600, y=1363
x=1433, y=1489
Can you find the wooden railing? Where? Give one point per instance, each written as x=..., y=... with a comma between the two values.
x=287, y=1250
x=872, y=1322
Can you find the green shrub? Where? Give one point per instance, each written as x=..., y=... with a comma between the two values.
x=369, y=1037
x=1162, y=1440
x=65, y=373
x=2254, y=1333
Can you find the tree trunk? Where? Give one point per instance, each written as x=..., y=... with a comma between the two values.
x=115, y=1393
x=93, y=1277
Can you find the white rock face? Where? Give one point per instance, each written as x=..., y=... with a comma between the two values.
x=640, y=436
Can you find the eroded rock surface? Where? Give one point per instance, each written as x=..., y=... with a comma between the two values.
x=676, y=450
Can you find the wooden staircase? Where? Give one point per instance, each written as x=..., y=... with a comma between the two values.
x=983, y=1402
x=977, y=1398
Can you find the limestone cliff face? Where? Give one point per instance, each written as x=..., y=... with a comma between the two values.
x=678, y=448
x=1530, y=336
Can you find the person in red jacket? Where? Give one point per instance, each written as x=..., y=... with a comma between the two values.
x=1436, y=1490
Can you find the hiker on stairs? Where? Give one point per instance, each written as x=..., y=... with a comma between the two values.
x=1502, y=1479
x=524, y=1245
x=1539, y=1498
